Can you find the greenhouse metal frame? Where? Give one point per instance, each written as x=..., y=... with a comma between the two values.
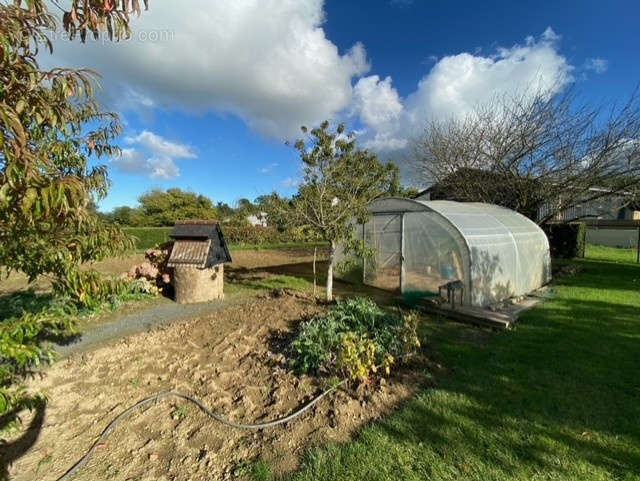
x=419, y=246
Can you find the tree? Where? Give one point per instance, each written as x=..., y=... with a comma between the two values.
x=225, y=211
x=339, y=181
x=50, y=126
x=160, y=208
x=539, y=154
x=125, y=215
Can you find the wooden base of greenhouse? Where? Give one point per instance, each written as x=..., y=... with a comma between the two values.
x=471, y=315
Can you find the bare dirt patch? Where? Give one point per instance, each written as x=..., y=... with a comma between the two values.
x=222, y=359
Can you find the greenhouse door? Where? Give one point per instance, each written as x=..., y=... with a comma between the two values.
x=383, y=233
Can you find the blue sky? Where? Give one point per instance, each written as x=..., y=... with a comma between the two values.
x=210, y=92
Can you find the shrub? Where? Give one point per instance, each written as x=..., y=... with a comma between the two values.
x=566, y=241
x=28, y=322
x=355, y=339
x=253, y=235
x=149, y=237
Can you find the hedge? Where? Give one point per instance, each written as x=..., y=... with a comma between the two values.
x=566, y=241
x=148, y=237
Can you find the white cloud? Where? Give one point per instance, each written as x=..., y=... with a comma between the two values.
x=291, y=183
x=160, y=146
x=596, y=64
x=376, y=101
x=456, y=85
x=152, y=155
x=269, y=168
x=267, y=61
x=270, y=63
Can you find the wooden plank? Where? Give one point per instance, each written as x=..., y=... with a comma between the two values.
x=471, y=315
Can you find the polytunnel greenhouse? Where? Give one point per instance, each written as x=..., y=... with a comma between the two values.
x=419, y=246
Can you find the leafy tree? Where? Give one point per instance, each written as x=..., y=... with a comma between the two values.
x=50, y=126
x=245, y=205
x=339, y=181
x=125, y=215
x=225, y=211
x=160, y=208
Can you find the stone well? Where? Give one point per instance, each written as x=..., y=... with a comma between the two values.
x=194, y=284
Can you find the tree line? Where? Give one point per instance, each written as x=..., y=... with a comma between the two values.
x=161, y=208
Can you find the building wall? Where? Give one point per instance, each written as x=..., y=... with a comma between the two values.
x=612, y=237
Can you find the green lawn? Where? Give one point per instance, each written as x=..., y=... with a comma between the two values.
x=557, y=398
x=611, y=254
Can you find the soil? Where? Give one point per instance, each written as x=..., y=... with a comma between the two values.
x=289, y=261
x=232, y=360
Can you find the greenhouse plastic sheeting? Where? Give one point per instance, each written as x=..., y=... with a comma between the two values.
x=421, y=245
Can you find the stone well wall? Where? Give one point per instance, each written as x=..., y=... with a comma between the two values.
x=198, y=285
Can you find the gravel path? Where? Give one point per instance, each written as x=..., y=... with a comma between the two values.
x=142, y=320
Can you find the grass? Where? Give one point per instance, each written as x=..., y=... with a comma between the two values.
x=611, y=254
x=277, y=282
x=259, y=470
x=558, y=398
x=281, y=245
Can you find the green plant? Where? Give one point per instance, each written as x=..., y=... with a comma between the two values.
x=28, y=323
x=179, y=413
x=356, y=339
x=259, y=470
x=339, y=181
x=556, y=399
x=148, y=237
x=566, y=241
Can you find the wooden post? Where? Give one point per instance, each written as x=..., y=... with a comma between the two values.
x=315, y=251
x=364, y=245
x=638, y=246
x=402, y=266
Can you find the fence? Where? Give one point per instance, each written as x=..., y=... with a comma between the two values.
x=614, y=233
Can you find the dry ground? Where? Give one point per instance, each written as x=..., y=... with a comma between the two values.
x=232, y=361
x=290, y=261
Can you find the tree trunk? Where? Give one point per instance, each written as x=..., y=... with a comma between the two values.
x=330, y=272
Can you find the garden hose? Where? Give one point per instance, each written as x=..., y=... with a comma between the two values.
x=157, y=397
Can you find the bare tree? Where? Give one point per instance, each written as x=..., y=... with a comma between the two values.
x=540, y=154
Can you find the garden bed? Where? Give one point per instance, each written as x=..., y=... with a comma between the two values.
x=232, y=361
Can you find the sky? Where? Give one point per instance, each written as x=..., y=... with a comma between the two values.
x=210, y=90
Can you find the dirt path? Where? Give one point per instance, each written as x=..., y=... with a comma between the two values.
x=231, y=359
x=163, y=313
x=166, y=312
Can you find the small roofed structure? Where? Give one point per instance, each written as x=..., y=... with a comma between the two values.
x=197, y=257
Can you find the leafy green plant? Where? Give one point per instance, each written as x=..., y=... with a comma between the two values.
x=52, y=132
x=259, y=470
x=355, y=339
x=28, y=323
x=179, y=413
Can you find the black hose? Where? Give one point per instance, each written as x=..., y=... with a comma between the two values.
x=186, y=397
